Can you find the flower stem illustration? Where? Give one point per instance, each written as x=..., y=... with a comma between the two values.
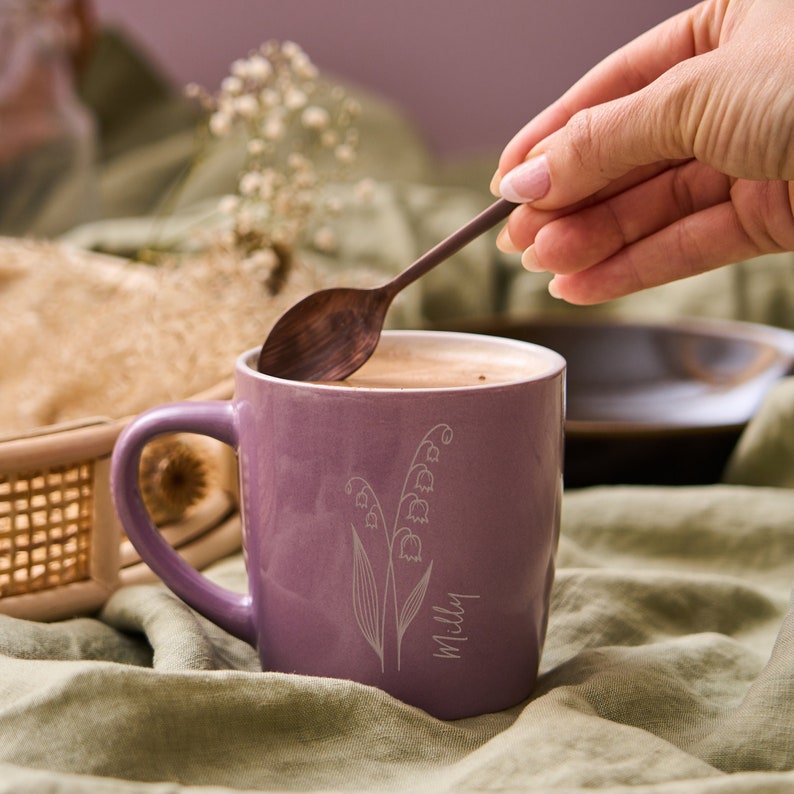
x=375, y=610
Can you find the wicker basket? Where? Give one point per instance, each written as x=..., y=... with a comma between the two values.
x=62, y=551
x=117, y=322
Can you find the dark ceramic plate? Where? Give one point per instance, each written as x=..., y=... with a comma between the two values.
x=656, y=402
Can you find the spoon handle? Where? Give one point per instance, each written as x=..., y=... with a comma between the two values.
x=478, y=225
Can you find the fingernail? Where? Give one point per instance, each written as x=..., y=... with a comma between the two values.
x=504, y=243
x=553, y=291
x=529, y=259
x=526, y=182
x=495, y=180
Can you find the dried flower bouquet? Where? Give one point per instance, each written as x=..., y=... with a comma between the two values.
x=84, y=334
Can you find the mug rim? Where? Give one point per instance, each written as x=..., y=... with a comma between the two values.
x=555, y=364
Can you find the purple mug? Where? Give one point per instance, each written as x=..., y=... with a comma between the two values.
x=400, y=528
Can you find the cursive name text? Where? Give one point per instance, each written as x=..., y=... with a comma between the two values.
x=449, y=645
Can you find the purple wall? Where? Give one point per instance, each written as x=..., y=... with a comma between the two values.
x=470, y=72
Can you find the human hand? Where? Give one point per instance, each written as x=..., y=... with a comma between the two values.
x=673, y=156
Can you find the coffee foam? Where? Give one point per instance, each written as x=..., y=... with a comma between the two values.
x=441, y=361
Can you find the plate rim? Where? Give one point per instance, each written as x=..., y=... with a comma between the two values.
x=780, y=340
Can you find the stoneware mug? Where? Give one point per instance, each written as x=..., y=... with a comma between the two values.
x=399, y=529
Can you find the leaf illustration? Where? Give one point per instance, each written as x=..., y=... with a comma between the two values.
x=365, y=597
x=413, y=602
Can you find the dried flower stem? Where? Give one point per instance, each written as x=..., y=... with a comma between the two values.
x=298, y=135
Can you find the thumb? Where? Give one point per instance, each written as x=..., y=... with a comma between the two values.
x=601, y=144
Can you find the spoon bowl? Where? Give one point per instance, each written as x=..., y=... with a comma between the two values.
x=329, y=334
x=341, y=333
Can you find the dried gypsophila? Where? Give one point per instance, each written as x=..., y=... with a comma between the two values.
x=299, y=135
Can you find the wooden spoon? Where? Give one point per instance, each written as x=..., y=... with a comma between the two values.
x=331, y=333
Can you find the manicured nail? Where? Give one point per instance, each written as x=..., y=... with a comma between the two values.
x=504, y=243
x=529, y=259
x=553, y=291
x=526, y=182
x=494, y=186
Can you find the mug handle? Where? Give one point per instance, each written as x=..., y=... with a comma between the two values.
x=217, y=419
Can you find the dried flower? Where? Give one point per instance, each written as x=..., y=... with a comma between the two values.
x=246, y=106
x=299, y=136
x=228, y=204
x=365, y=190
x=255, y=147
x=345, y=153
x=325, y=239
x=249, y=184
x=173, y=478
x=259, y=68
x=315, y=118
x=220, y=124
x=295, y=99
x=232, y=85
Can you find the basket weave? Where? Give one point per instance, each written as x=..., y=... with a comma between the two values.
x=47, y=517
x=130, y=336
x=62, y=551
x=59, y=539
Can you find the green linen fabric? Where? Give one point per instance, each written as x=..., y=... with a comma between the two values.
x=669, y=663
x=669, y=667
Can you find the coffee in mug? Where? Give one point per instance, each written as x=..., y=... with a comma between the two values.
x=440, y=365
x=400, y=527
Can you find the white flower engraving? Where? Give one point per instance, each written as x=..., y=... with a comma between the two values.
x=403, y=545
